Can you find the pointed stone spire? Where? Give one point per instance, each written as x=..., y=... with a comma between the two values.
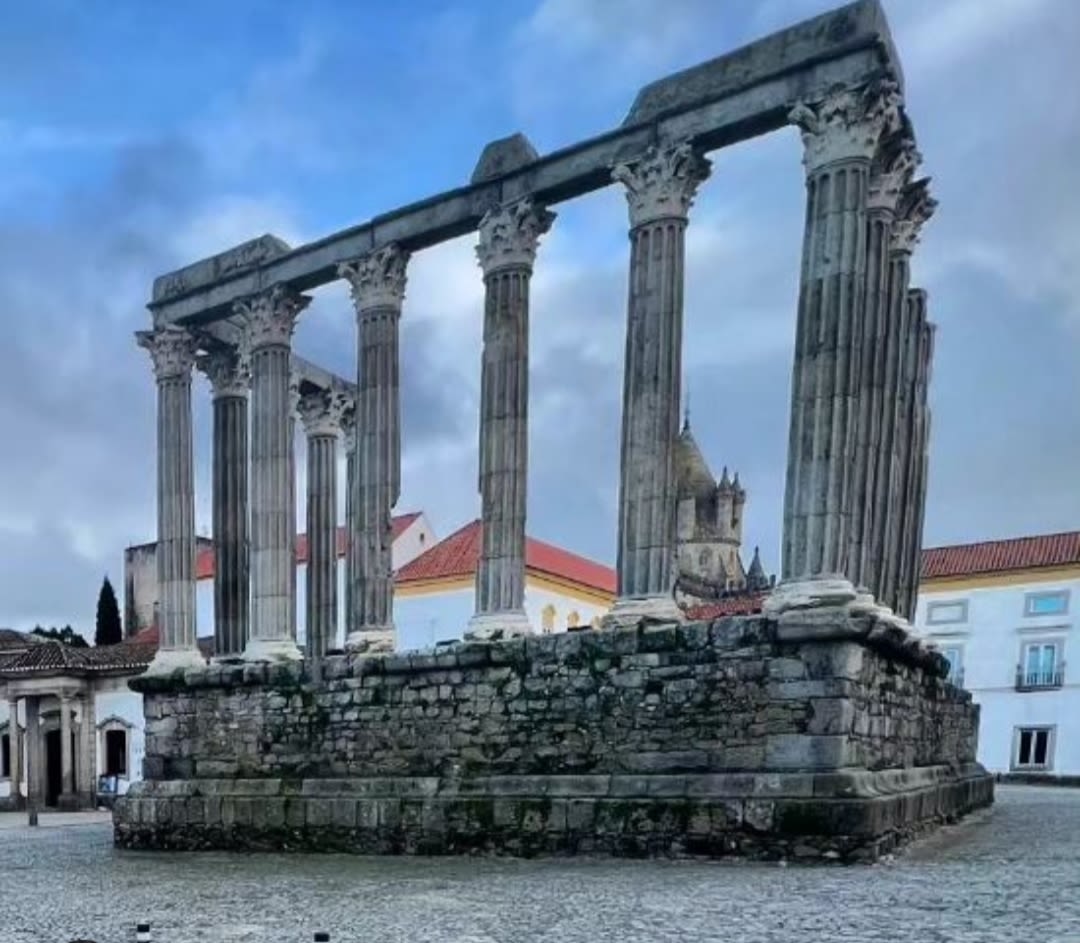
x=693, y=477
x=725, y=485
x=756, y=580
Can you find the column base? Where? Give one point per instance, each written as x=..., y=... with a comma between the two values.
x=492, y=626
x=630, y=611
x=374, y=641
x=167, y=661
x=272, y=650
x=69, y=802
x=827, y=592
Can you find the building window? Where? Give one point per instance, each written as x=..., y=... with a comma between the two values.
x=116, y=753
x=955, y=656
x=1041, y=666
x=1034, y=748
x=573, y=620
x=547, y=618
x=946, y=613
x=1046, y=604
x=5, y=757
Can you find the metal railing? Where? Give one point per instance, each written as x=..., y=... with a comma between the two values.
x=1040, y=679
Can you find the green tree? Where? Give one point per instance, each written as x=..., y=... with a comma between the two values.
x=108, y=629
x=67, y=635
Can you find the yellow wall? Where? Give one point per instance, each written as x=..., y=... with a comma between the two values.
x=1000, y=578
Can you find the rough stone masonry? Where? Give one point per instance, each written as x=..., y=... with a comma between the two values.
x=752, y=736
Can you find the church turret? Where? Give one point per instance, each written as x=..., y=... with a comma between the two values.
x=756, y=580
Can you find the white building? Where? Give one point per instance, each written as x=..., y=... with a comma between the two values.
x=1005, y=615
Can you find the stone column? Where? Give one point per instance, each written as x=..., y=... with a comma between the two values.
x=270, y=319
x=508, y=240
x=840, y=136
x=914, y=502
x=230, y=380
x=88, y=759
x=377, y=285
x=914, y=208
x=890, y=171
x=16, y=751
x=660, y=189
x=34, y=757
x=322, y=414
x=294, y=407
x=348, y=427
x=173, y=352
x=66, y=767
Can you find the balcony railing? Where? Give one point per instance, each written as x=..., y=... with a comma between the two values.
x=1040, y=680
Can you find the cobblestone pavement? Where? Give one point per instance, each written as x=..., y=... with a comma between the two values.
x=1012, y=873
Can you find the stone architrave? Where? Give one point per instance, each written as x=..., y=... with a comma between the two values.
x=841, y=135
x=890, y=172
x=269, y=321
x=229, y=374
x=322, y=415
x=506, y=250
x=660, y=189
x=173, y=350
x=377, y=287
x=914, y=209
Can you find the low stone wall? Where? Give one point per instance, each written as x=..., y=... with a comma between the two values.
x=747, y=736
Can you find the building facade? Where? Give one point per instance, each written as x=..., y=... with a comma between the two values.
x=1005, y=615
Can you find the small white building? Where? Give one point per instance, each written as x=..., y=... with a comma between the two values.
x=1005, y=615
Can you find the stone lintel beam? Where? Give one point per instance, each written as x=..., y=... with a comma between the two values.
x=726, y=100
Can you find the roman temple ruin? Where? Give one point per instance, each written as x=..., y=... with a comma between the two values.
x=820, y=727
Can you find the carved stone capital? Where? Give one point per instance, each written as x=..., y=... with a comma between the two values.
x=847, y=125
x=323, y=413
x=662, y=184
x=229, y=372
x=172, y=349
x=348, y=427
x=270, y=317
x=377, y=280
x=892, y=168
x=913, y=209
x=510, y=234
x=294, y=392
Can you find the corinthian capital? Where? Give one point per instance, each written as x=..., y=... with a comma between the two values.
x=348, y=427
x=662, y=184
x=846, y=124
x=229, y=372
x=892, y=168
x=270, y=317
x=913, y=209
x=171, y=348
x=510, y=234
x=377, y=280
x=323, y=413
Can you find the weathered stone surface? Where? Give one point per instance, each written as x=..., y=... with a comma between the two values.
x=563, y=744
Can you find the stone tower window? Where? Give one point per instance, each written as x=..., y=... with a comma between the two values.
x=547, y=618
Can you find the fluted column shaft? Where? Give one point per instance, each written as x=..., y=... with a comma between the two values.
x=173, y=353
x=230, y=381
x=321, y=414
x=840, y=136
x=660, y=189
x=506, y=250
x=377, y=283
x=270, y=319
x=349, y=430
x=887, y=534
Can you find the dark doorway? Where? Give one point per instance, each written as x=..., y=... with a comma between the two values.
x=53, y=772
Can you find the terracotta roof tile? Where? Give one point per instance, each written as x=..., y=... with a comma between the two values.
x=459, y=554
x=12, y=640
x=995, y=556
x=204, y=559
x=747, y=604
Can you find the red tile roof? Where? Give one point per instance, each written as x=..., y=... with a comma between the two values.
x=459, y=554
x=204, y=559
x=744, y=605
x=995, y=556
x=52, y=657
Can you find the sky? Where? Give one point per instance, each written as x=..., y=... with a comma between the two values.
x=136, y=138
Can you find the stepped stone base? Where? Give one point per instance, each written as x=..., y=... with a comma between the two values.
x=821, y=734
x=832, y=816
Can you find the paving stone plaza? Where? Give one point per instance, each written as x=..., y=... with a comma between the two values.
x=979, y=881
